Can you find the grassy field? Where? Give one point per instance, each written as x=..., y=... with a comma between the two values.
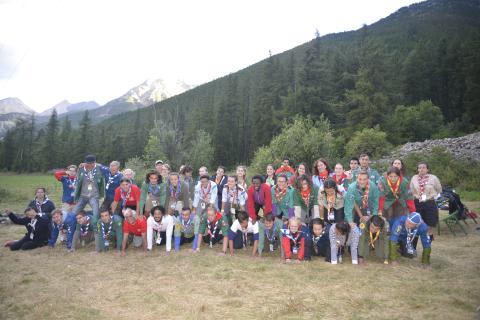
x=51, y=284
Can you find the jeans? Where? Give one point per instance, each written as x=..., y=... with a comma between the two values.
x=94, y=204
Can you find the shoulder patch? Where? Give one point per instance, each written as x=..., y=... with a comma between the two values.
x=399, y=229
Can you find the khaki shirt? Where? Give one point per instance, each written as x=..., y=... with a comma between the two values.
x=432, y=187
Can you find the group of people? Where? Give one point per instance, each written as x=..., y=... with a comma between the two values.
x=327, y=213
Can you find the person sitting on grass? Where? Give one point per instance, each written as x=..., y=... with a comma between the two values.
x=134, y=230
x=64, y=228
x=343, y=235
x=213, y=229
x=37, y=230
x=109, y=229
x=270, y=234
x=404, y=231
x=374, y=237
x=239, y=231
x=318, y=242
x=84, y=230
x=185, y=226
x=160, y=224
x=41, y=204
x=293, y=240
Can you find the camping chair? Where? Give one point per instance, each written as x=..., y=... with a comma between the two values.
x=451, y=221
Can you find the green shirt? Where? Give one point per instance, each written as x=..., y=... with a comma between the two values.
x=381, y=244
x=223, y=224
x=98, y=178
x=355, y=194
x=262, y=236
x=282, y=207
x=188, y=229
x=313, y=201
x=403, y=195
x=144, y=194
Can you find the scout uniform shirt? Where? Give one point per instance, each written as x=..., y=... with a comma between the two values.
x=282, y=202
x=272, y=238
x=368, y=203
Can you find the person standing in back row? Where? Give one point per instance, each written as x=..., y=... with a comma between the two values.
x=90, y=186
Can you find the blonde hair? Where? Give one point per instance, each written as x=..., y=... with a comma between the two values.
x=295, y=219
x=129, y=170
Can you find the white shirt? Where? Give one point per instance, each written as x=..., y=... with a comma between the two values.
x=251, y=228
x=199, y=194
x=166, y=225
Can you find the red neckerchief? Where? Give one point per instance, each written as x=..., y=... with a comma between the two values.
x=306, y=196
x=340, y=181
x=323, y=175
x=280, y=194
x=422, y=182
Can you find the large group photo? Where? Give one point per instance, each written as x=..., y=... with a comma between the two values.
x=240, y=160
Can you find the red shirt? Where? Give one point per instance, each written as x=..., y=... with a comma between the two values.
x=139, y=227
x=132, y=199
x=267, y=200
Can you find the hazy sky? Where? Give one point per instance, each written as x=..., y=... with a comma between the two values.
x=98, y=49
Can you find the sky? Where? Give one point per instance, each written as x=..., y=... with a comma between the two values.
x=82, y=50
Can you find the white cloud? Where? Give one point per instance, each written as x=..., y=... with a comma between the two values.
x=84, y=50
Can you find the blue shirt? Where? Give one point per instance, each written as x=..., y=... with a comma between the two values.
x=68, y=185
x=400, y=232
x=112, y=182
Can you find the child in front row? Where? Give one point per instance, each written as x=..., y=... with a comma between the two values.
x=341, y=236
x=270, y=234
x=374, y=238
x=238, y=233
x=185, y=228
x=64, y=228
x=213, y=229
x=85, y=229
x=109, y=229
x=293, y=240
x=318, y=241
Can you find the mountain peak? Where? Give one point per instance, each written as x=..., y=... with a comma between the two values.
x=155, y=90
x=14, y=105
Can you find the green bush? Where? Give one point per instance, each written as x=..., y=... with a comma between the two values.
x=372, y=141
x=304, y=140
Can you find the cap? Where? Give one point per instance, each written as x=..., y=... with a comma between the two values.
x=90, y=158
x=158, y=162
x=415, y=218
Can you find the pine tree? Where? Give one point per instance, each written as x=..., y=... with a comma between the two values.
x=50, y=150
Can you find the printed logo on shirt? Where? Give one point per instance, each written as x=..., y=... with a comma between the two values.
x=399, y=228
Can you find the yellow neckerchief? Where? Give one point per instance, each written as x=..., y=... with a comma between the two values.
x=372, y=240
x=397, y=187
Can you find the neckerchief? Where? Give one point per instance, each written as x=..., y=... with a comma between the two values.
x=323, y=175
x=218, y=181
x=211, y=232
x=84, y=228
x=73, y=182
x=232, y=195
x=39, y=205
x=106, y=234
x=395, y=188
x=125, y=196
x=294, y=237
x=206, y=192
x=339, y=181
x=372, y=240
x=365, y=194
x=410, y=236
x=422, y=183
x=90, y=175
x=279, y=194
x=111, y=179
x=272, y=237
x=306, y=196
x=331, y=200
x=154, y=192
x=270, y=181
x=175, y=192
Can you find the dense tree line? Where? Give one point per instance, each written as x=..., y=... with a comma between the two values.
x=411, y=76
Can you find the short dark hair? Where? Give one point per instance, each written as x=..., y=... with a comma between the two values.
x=242, y=216
x=257, y=177
x=221, y=167
x=329, y=184
x=268, y=217
x=317, y=221
x=355, y=158
x=186, y=209
x=204, y=176
x=151, y=173
x=160, y=208
x=81, y=213
x=125, y=180
x=28, y=209
x=343, y=227
x=286, y=158
x=186, y=168
x=394, y=170
x=377, y=221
